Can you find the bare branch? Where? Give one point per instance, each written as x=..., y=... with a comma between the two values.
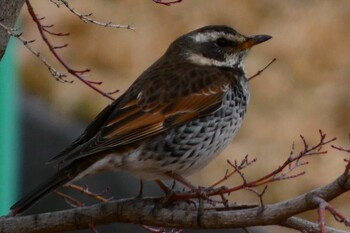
x=87, y=192
x=141, y=211
x=77, y=74
x=244, y=163
x=70, y=200
x=306, y=226
x=291, y=163
x=55, y=73
x=169, y=3
x=56, y=2
x=262, y=70
x=323, y=206
x=259, y=195
x=341, y=148
x=86, y=18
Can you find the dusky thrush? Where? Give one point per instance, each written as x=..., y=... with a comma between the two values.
x=173, y=120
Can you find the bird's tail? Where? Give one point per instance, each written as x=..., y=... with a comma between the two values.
x=62, y=177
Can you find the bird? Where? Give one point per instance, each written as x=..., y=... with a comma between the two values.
x=175, y=118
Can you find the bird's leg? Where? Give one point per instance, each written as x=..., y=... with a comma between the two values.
x=201, y=191
x=164, y=187
x=169, y=193
x=182, y=180
x=140, y=195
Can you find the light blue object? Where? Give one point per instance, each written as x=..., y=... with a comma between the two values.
x=9, y=130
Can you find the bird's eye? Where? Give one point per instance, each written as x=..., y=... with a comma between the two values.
x=222, y=42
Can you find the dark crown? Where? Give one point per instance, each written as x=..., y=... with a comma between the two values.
x=215, y=45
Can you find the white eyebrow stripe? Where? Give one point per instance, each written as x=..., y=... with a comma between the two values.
x=211, y=36
x=199, y=59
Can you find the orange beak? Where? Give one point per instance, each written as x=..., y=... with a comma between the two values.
x=254, y=40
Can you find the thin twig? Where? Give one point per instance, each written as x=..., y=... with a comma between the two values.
x=87, y=192
x=78, y=74
x=323, y=206
x=70, y=200
x=272, y=176
x=244, y=163
x=55, y=73
x=167, y=3
x=262, y=70
x=86, y=18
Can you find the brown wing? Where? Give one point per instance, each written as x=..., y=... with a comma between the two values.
x=136, y=123
x=156, y=102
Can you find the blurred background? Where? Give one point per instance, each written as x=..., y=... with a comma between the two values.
x=306, y=89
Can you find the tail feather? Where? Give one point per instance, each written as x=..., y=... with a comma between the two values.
x=41, y=191
x=62, y=177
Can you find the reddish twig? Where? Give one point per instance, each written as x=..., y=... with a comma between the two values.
x=323, y=206
x=56, y=33
x=347, y=167
x=70, y=200
x=259, y=194
x=341, y=148
x=55, y=73
x=52, y=48
x=87, y=192
x=112, y=92
x=271, y=177
x=167, y=3
x=262, y=70
x=244, y=163
x=45, y=28
x=275, y=175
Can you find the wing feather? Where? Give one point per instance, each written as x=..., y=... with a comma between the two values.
x=143, y=124
x=148, y=109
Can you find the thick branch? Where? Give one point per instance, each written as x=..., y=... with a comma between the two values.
x=9, y=11
x=143, y=212
x=304, y=225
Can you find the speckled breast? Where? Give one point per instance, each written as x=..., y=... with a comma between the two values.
x=187, y=148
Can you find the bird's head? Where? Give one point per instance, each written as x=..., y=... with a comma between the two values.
x=216, y=46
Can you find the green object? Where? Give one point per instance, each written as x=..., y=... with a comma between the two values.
x=9, y=130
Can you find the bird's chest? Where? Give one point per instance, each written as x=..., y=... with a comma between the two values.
x=192, y=145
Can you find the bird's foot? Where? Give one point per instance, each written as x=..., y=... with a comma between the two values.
x=212, y=191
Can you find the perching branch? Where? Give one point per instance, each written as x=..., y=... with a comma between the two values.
x=306, y=226
x=142, y=211
x=181, y=215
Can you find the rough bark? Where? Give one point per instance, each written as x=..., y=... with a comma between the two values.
x=145, y=211
x=9, y=12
